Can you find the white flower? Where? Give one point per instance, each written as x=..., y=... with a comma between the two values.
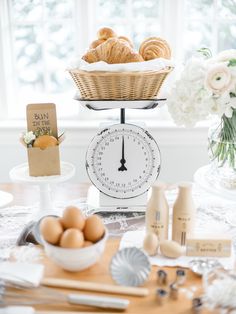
x=218, y=79
x=204, y=88
x=194, y=70
x=222, y=103
x=29, y=137
x=186, y=103
x=225, y=55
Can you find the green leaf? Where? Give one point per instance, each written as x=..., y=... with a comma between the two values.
x=206, y=52
x=232, y=63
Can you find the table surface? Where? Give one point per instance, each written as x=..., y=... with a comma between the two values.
x=26, y=195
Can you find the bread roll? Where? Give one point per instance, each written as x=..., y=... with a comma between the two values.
x=155, y=47
x=105, y=33
x=44, y=141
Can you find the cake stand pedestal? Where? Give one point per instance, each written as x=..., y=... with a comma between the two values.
x=5, y=198
x=205, y=180
x=20, y=174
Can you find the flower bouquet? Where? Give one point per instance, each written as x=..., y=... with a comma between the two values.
x=207, y=86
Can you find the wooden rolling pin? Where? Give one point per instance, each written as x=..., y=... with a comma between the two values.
x=93, y=286
x=66, y=312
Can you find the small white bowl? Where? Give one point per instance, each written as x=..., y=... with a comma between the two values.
x=76, y=259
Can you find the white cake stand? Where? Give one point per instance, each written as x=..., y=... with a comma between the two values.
x=204, y=179
x=5, y=198
x=20, y=174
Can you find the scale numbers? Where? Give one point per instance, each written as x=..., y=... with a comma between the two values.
x=123, y=161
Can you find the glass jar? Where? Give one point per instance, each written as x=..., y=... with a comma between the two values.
x=222, y=151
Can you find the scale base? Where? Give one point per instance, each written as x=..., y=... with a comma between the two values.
x=100, y=202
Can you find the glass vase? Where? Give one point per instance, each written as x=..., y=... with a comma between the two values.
x=222, y=151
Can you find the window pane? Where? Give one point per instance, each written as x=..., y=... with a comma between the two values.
x=199, y=9
x=111, y=9
x=141, y=32
x=28, y=52
x=227, y=35
x=27, y=10
x=59, y=50
x=196, y=36
x=42, y=50
x=144, y=9
x=141, y=18
x=58, y=9
x=227, y=8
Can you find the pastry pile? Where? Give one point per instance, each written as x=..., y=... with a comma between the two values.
x=119, y=49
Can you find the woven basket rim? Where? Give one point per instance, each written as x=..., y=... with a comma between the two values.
x=124, y=73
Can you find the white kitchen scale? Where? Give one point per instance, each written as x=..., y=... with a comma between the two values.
x=122, y=161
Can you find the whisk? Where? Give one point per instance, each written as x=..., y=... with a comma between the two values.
x=12, y=294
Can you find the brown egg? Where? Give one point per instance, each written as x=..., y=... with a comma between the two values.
x=51, y=229
x=44, y=141
x=61, y=222
x=72, y=238
x=73, y=218
x=87, y=243
x=94, y=228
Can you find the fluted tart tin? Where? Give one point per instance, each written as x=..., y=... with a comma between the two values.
x=130, y=267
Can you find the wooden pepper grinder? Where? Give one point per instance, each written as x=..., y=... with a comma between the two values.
x=184, y=214
x=157, y=213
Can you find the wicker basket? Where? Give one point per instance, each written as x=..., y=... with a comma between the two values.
x=119, y=85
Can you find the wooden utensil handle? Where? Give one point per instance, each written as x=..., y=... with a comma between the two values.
x=61, y=312
x=93, y=286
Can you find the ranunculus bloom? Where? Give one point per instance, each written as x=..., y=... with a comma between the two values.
x=29, y=137
x=218, y=79
x=226, y=55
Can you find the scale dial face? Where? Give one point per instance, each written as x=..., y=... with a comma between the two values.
x=123, y=161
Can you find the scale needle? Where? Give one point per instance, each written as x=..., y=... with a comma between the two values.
x=123, y=161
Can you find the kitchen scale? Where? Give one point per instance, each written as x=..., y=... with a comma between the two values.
x=122, y=161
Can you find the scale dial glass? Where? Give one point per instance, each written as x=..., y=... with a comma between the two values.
x=123, y=161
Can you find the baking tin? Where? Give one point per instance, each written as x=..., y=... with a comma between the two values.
x=130, y=267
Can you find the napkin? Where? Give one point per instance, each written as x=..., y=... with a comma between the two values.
x=151, y=65
x=135, y=238
x=17, y=310
x=25, y=274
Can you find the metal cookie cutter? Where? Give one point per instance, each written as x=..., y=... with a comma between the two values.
x=162, y=296
x=174, y=291
x=180, y=277
x=197, y=305
x=161, y=277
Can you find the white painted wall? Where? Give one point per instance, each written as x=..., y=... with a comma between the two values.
x=183, y=150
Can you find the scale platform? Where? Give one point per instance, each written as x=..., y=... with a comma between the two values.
x=119, y=104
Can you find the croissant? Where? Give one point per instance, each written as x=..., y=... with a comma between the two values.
x=155, y=47
x=126, y=39
x=111, y=51
x=91, y=56
x=105, y=33
x=96, y=43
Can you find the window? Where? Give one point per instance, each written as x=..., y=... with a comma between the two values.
x=39, y=38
